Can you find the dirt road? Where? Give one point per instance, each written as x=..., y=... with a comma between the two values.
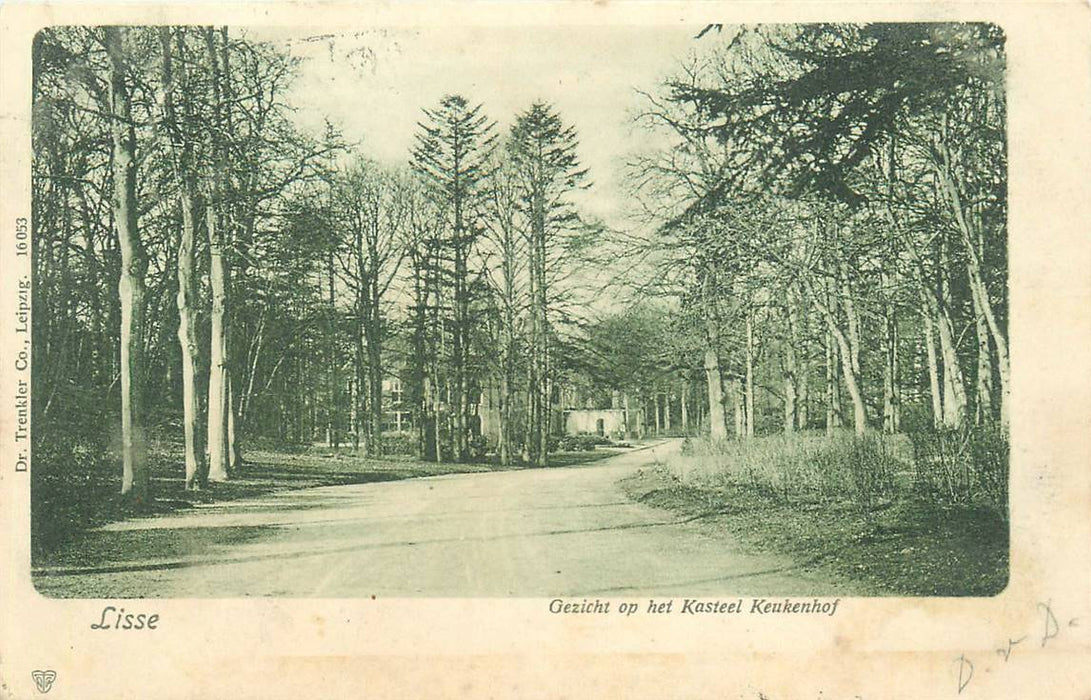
x=528, y=533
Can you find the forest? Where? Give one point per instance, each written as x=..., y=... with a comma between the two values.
x=816, y=246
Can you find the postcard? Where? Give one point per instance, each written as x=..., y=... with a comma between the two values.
x=545, y=350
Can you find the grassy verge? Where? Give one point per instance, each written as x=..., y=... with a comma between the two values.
x=72, y=496
x=896, y=541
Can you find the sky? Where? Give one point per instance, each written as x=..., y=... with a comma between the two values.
x=373, y=84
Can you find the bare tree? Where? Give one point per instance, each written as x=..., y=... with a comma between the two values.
x=178, y=133
x=134, y=265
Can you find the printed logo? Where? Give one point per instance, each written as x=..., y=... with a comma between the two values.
x=44, y=680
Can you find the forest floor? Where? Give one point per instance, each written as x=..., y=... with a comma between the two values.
x=905, y=546
x=63, y=511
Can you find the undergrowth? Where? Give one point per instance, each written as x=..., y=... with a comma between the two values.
x=916, y=515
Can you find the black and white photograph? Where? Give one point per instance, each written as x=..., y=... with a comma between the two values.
x=339, y=316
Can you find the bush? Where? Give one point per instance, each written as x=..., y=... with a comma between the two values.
x=870, y=463
x=400, y=443
x=479, y=446
x=964, y=465
x=580, y=442
x=73, y=472
x=800, y=467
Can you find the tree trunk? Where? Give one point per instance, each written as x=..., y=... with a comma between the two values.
x=835, y=393
x=429, y=423
x=895, y=364
x=833, y=402
x=789, y=405
x=540, y=328
x=999, y=341
x=945, y=372
x=954, y=385
x=217, y=377
x=246, y=400
x=225, y=99
x=683, y=398
x=891, y=399
x=438, y=416
x=354, y=405
x=503, y=438
x=419, y=374
x=791, y=363
x=233, y=459
x=717, y=420
x=332, y=378
x=803, y=394
x=218, y=387
x=984, y=380
x=300, y=405
x=749, y=374
x=740, y=408
x=850, y=375
x=933, y=369
x=184, y=168
x=530, y=416
x=459, y=335
x=851, y=382
x=360, y=432
x=547, y=394
x=982, y=302
x=954, y=392
x=534, y=406
x=891, y=385
x=508, y=346
x=853, y=319
x=135, y=478
x=375, y=375
x=187, y=340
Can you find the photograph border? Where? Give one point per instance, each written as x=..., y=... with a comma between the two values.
x=1033, y=639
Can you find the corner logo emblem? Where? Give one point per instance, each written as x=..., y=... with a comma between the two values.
x=44, y=680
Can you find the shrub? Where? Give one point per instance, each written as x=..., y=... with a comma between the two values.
x=963, y=465
x=479, y=446
x=869, y=462
x=800, y=467
x=580, y=442
x=73, y=472
x=400, y=443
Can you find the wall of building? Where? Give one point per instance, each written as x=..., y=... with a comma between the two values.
x=613, y=421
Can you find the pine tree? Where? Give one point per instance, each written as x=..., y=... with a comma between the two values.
x=543, y=152
x=452, y=155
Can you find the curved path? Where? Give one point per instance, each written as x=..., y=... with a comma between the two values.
x=528, y=533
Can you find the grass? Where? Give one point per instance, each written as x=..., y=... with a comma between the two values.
x=81, y=491
x=804, y=465
x=774, y=495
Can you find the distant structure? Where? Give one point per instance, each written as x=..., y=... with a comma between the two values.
x=574, y=411
x=618, y=423
x=607, y=416
x=397, y=413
